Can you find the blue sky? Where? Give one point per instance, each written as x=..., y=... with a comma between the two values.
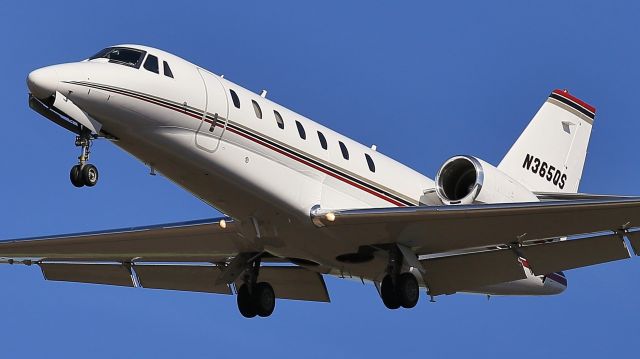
x=422, y=81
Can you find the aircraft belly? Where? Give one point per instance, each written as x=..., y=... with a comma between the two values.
x=240, y=170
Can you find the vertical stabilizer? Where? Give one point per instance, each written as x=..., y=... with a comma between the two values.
x=549, y=155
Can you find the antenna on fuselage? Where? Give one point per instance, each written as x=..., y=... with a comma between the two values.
x=263, y=93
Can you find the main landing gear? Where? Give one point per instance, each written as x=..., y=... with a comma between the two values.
x=255, y=298
x=84, y=174
x=398, y=289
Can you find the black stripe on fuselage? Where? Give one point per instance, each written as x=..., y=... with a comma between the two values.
x=212, y=119
x=319, y=164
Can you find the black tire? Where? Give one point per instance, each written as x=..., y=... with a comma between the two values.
x=246, y=303
x=388, y=293
x=76, y=176
x=264, y=299
x=89, y=175
x=407, y=290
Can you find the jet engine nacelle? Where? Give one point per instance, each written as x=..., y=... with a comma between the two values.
x=467, y=179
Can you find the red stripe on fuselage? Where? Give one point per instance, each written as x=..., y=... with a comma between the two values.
x=345, y=180
x=399, y=204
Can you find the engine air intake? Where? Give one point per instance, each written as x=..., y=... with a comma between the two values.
x=467, y=180
x=457, y=179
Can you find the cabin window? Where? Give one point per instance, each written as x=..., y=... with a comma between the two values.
x=279, y=119
x=235, y=98
x=257, y=109
x=167, y=69
x=323, y=140
x=343, y=148
x=151, y=64
x=301, y=132
x=372, y=166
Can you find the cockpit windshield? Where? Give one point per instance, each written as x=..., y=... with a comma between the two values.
x=121, y=55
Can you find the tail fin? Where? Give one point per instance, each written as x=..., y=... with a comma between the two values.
x=549, y=155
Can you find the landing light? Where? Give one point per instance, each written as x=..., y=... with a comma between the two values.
x=223, y=224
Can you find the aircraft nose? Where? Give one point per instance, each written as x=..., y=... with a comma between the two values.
x=43, y=82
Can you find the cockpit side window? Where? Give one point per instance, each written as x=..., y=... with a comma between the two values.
x=121, y=55
x=167, y=69
x=151, y=64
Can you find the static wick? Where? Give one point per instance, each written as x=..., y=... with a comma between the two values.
x=330, y=216
x=223, y=224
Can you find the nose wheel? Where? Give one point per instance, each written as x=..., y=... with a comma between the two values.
x=84, y=174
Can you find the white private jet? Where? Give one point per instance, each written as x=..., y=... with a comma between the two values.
x=303, y=200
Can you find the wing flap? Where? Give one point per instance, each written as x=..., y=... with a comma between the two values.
x=288, y=282
x=295, y=283
x=564, y=255
x=110, y=274
x=447, y=275
x=184, y=278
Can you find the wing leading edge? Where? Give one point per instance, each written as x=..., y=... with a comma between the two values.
x=194, y=241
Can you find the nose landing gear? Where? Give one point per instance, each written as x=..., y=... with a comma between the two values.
x=84, y=174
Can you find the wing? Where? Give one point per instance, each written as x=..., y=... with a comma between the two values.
x=134, y=257
x=194, y=241
x=463, y=247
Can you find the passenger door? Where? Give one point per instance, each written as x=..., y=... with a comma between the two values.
x=213, y=123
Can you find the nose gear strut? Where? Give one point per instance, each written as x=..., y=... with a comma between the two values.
x=84, y=174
